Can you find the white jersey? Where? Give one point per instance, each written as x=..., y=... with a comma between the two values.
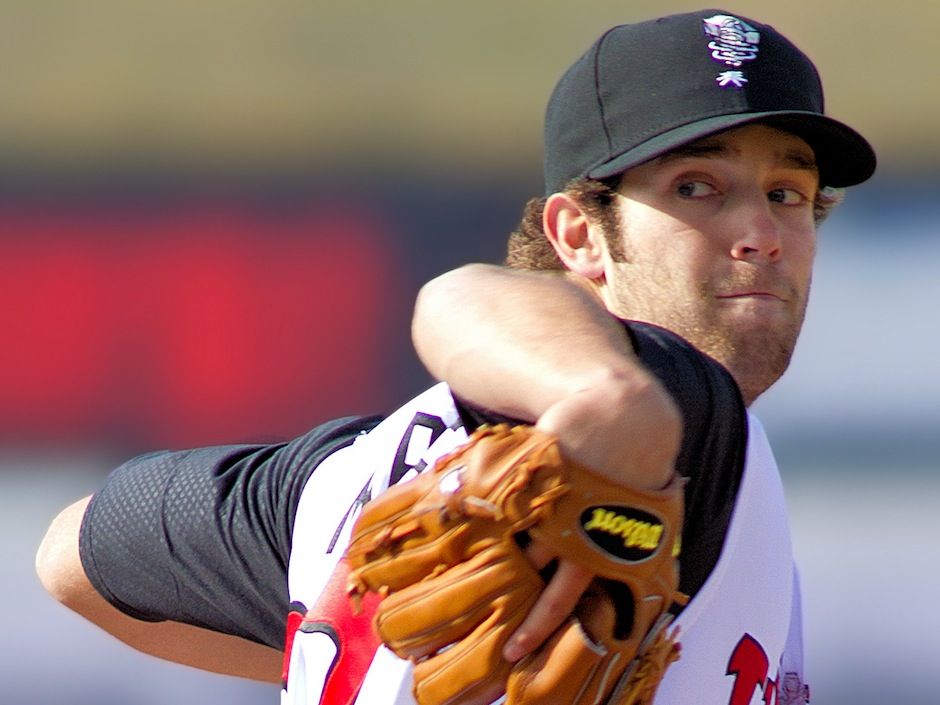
x=741, y=634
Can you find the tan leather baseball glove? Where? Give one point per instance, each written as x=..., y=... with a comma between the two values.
x=444, y=551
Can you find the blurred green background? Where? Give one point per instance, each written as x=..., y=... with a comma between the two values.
x=256, y=84
x=214, y=217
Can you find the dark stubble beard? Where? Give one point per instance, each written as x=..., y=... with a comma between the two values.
x=756, y=356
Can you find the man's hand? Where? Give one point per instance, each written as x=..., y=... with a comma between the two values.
x=613, y=439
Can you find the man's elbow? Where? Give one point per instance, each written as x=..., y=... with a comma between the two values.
x=448, y=289
x=433, y=312
x=58, y=564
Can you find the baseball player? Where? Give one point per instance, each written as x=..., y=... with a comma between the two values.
x=687, y=163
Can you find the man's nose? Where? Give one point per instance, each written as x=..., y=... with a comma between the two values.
x=756, y=231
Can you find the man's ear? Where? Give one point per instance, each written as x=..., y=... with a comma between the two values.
x=579, y=244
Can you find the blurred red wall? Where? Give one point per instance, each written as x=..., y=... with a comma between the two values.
x=199, y=323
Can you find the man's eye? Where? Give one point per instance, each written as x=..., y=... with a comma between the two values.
x=695, y=189
x=786, y=196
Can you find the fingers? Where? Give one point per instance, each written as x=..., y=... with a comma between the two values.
x=552, y=608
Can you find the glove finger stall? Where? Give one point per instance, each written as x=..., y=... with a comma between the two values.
x=472, y=671
x=429, y=615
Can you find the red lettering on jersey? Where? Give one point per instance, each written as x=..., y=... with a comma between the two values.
x=294, y=620
x=355, y=640
x=749, y=665
x=770, y=692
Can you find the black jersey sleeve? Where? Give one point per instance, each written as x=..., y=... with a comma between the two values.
x=203, y=536
x=714, y=442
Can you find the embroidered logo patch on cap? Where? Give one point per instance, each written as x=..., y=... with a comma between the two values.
x=733, y=43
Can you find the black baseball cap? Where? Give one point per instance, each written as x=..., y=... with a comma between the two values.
x=644, y=89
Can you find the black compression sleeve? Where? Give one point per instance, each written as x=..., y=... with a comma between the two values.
x=203, y=536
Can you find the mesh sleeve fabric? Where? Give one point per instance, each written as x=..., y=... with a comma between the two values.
x=203, y=536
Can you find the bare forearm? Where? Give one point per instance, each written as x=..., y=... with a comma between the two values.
x=562, y=339
x=542, y=348
x=60, y=570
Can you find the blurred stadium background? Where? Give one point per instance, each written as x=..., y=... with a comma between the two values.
x=214, y=217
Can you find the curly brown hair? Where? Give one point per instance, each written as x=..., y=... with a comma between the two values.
x=528, y=248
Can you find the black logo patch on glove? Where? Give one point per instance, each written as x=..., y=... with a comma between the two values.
x=623, y=532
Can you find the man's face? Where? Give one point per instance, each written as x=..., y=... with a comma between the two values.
x=718, y=241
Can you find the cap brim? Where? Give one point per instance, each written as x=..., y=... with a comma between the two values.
x=844, y=157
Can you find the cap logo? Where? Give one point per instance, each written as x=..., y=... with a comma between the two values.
x=733, y=43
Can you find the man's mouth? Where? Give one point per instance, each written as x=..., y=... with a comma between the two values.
x=757, y=295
